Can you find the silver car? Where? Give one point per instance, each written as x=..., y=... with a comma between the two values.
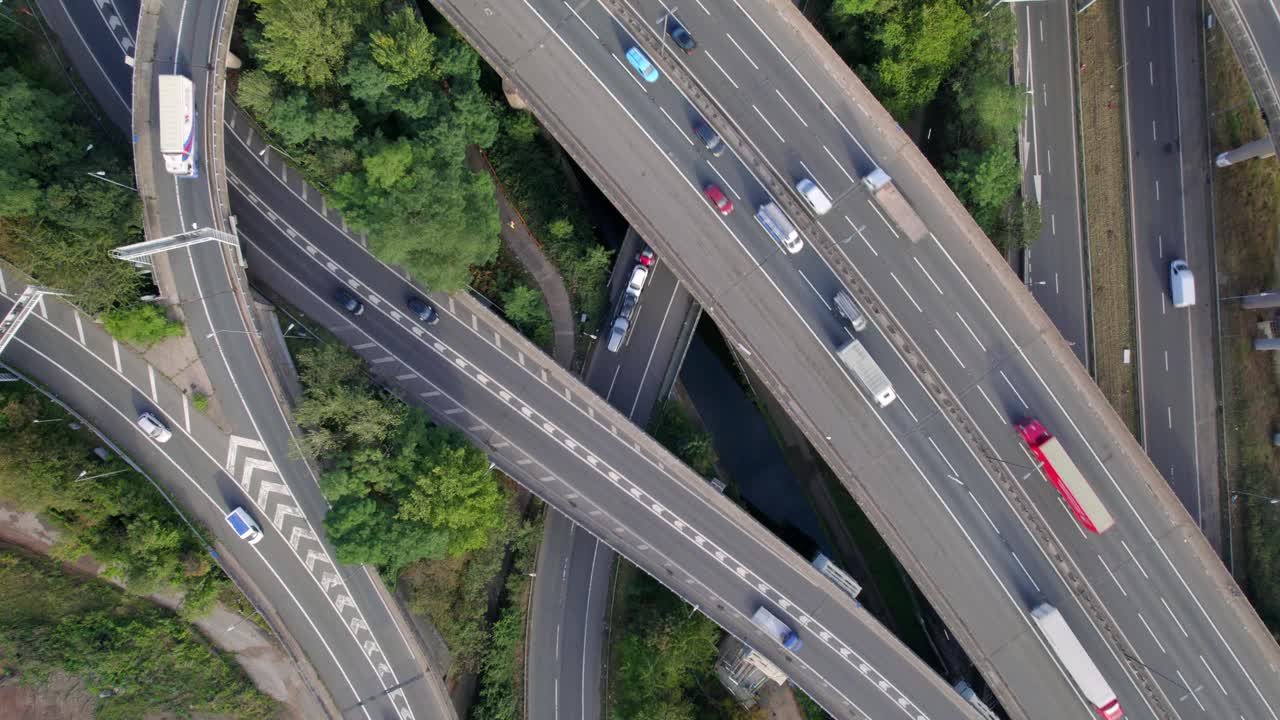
x=153, y=428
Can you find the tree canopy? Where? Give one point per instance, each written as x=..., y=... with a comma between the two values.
x=57, y=219
x=400, y=488
x=904, y=47
x=380, y=110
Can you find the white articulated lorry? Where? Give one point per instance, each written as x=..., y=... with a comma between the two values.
x=895, y=205
x=858, y=360
x=777, y=629
x=178, y=125
x=1079, y=665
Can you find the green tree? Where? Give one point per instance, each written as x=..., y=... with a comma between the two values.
x=256, y=92
x=117, y=519
x=525, y=308
x=677, y=432
x=664, y=652
x=427, y=495
x=57, y=221
x=153, y=663
x=298, y=120
x=339, y=407
x=142, y=325
x=919, y=50
x=985, y=181
x=306, y=41
x=438, y=198
x=405, y=49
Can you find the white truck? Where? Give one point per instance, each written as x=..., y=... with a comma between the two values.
x=892, y=202
x=777, y=629
x=1079, y=665
x=858, y=360
x=178, y=125
x=837, y=575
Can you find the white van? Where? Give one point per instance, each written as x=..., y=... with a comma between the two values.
x=813, y=195
x=779, y=227
x=848, y=310
x=244, y=526
x=1182, y=284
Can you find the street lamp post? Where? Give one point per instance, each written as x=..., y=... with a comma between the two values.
x=84, y=474
x=102, y=175
x=240, y=332
x=1270, y=500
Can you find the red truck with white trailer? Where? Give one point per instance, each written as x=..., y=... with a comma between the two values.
x=1079, y=665
x=1063, y=473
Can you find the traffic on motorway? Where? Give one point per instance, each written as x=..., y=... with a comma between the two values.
x=817, y=278
x=1003, y=370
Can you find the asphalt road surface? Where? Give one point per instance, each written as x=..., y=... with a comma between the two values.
x=1159, y=602
x=1169, y=195
x=369, y=666
x=570, y=596
x=109, y=385
x=1055, y=269
x=559, y=439
x=734, y=598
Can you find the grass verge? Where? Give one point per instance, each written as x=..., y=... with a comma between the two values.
x=1106, y=192
x=1246, y=202
x=137, y=659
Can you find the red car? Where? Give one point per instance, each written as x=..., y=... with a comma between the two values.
x=718, y=198
x=645, y=257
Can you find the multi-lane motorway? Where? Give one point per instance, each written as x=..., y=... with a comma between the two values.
x=573, y=578
x=1055, y=267
x=1169, y=197
x=1158, y=603
x=369, y=666
x=581, y=455
x=919, y=472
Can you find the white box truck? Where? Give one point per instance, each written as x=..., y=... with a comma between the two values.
x=1182, y=284
x=1079, y=665
x=178, y=125
x=893, y=203
x=858, y=360
x=777, y=629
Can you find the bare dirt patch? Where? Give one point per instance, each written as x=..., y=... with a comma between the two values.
x=1102, y=130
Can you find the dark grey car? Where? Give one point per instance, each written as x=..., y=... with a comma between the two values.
x=348, y=301
x=423, y=310
x=710, y=138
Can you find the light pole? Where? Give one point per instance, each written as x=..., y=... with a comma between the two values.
x=241, y=332
x=84, y=474
x=1270, y=500
x=45, y=420
x=102, y=175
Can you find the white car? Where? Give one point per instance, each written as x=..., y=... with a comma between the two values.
x=154, y=428
x=244, y=526
x=638, y=277
x=813, y=195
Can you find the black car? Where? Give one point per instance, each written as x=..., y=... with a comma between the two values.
x=710, y=138
x=348, y=301
x=682, y=37
x=422, y=310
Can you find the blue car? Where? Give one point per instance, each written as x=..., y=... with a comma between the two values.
x=641, y=63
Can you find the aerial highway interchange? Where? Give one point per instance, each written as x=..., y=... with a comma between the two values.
x=940, y=471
